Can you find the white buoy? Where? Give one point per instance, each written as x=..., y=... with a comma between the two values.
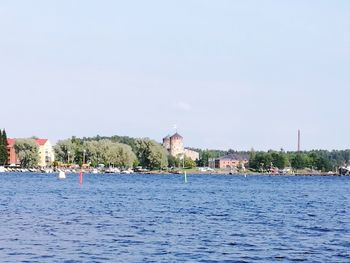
x=61, y=175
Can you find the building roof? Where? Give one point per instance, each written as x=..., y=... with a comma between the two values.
x=41, y=142
x=176, y=135
x=231, y=157
x=167, y=137
x=11, y=141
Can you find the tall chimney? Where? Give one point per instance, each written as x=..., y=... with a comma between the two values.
x=298, y=140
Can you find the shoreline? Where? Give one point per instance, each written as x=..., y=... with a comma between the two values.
x=263, y=174
x=188, y=172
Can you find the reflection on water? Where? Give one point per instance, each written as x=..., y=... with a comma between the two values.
x=133, y=218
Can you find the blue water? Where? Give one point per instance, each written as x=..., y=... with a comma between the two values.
x=159, y=218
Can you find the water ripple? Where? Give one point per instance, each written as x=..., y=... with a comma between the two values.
x=151, y=218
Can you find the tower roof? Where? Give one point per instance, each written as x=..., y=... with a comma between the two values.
x=166, y=137
x=176, y=135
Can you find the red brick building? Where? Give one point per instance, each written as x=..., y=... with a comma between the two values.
x=228, y=161
x=12, y=158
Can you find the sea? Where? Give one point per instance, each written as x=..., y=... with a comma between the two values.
x=160, y=218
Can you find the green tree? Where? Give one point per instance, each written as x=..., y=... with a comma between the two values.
x=189, y=163
x=205, y=155
x=253, y=163
x=120, y=139
x=65, y=150
x=260, y=161
x=173, y=161
x=3, y=148
x=299, y=161
x=27, y=152
x=319, y=161
x=109, y=153
x=119, y=154
x=279, y=159
x=93, y=153
x=151, y=154
x=2, y=157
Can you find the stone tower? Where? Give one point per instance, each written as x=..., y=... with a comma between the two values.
x=176, y=145
x=166, y=143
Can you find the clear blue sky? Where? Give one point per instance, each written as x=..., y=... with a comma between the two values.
x=230, y=74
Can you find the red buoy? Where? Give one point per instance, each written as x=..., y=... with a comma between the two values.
x=81, y=177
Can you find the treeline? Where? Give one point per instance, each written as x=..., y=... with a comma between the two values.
x=118, y=151
x=115, y=138
x=126, y=152
x=321, y=160
x=3, y=147
x=110, y=151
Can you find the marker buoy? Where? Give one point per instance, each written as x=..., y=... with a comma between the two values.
x=81, y=177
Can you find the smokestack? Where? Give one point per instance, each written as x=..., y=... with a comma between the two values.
x=298, y=140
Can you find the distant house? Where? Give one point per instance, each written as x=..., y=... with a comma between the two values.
x=46, y=152
x=228, y=161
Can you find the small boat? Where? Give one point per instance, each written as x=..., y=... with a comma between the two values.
x=61, y=175
x=112, y=170
x=127, y=172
